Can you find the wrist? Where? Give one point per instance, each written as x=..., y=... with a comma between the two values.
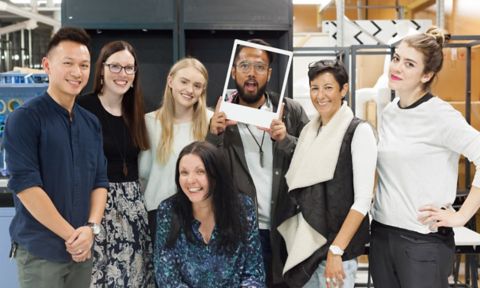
x=333, y=256
x=464, y=217
x=69, y=232
x=94, y=228
x=335, y=250
x=214, y=131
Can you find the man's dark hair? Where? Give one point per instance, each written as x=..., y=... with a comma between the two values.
x=73, y=34
x=270, y=55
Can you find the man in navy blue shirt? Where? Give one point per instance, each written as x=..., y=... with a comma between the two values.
x=58, y=172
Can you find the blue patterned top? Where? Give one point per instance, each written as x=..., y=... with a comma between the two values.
x=201, y=265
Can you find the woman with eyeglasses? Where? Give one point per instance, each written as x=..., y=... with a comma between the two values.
x=330, y=180
x=182, y=118
x=123, y=250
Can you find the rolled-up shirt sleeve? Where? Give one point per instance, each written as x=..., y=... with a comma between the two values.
x=21, y=140
x=101, y=177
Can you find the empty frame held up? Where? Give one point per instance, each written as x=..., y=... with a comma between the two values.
x=259, y=117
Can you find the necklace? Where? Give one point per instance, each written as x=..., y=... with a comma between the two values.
x=260, y=145
x=123, y=154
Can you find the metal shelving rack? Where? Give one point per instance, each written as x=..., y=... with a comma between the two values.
x=349, y=57
x=456, y=41
x=208, y=28
x=467, y=42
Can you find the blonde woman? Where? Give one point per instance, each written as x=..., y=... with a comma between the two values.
x=182, y=119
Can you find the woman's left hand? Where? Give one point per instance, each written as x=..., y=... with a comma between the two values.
x=437, y=217
x=334, y=274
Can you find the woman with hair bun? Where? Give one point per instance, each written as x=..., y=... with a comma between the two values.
x=420, y=141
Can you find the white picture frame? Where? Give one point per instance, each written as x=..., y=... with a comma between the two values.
x=245, y=114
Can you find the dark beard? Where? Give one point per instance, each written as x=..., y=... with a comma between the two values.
x=250, y=98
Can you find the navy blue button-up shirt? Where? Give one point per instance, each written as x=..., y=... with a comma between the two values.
x=62, y=155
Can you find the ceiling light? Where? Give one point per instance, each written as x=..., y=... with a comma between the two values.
x=322, y=3
x=38, y=1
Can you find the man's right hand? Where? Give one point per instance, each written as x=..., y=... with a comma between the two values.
x=219, y=120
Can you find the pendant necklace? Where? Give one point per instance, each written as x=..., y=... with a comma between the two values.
x=260, y=145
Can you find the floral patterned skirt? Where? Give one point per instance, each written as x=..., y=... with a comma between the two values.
x=122, y=255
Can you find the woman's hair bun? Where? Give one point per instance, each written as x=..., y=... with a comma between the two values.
x=438, y=34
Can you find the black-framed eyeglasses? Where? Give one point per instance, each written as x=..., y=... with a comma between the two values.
x=117, y=68
x=245, y=66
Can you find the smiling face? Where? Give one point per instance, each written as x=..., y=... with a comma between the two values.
x=326, y=95
x=187, y=86
x=406, y=70
x=193, y=179
x=68, y=69
x=118, y=83
x=251, y=73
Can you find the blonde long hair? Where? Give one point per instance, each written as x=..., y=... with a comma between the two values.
x=166, y=113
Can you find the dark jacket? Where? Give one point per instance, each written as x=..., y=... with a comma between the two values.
x=294, y=118
x=325, y=206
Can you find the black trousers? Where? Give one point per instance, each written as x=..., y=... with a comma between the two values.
x=266, y=254
x=400, y=258
x=267, y=258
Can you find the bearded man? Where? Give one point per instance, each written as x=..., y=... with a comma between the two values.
x=258, y=159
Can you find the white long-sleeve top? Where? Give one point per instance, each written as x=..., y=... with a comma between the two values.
x=364, y=160
x=157, y=179
x=418, y=154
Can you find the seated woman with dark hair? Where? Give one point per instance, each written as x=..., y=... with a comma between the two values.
x=207, y=234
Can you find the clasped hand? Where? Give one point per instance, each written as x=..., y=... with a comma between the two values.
x=80, y=243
